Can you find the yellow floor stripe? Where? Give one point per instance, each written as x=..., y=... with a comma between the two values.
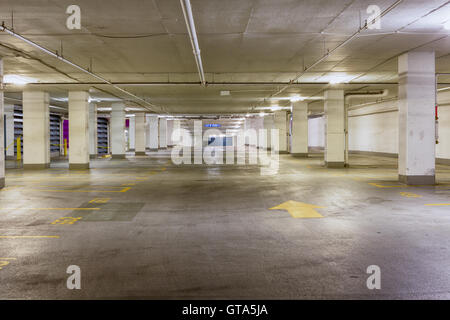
x=29, y=237
x=438, y=204
x=49, y=208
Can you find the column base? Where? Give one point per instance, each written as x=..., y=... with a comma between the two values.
x=153, y=149
x=36, y=166
x=300, y=155
x=93, y=156
x=283, y=152
x=117, y=156
x=140, y=153
x=417, y=180
x=335, y=164
x=78, y=166
x=162, y=148
x=2, y=183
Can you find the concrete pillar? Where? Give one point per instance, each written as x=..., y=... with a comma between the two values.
x=93, y=139
x=153, y=132
x=9, y=129
x=132, y=133
x=139, y=136
x=118, y=131
x=268, y=125
x=416, y=104
x=2, y=151
x=36, y=130
x=175, y=129
x=299, y=139
x=78, y=130
x=163, y=133
x=334, y=126
x=169, y=132
x=280, y=123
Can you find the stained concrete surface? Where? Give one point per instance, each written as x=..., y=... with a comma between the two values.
x=207, y=231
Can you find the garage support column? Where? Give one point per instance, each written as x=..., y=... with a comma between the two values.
x=9, y=129
x=118, y=131
x=78, y=130
x=139, y=134
x=163, y=133
x=416, y=104
x=36, y=130
x=268, y=126
x=2, y=130
x=280, y=121
x=153, y=132
x=299, y=147
x=334, y=127
x=93, y=149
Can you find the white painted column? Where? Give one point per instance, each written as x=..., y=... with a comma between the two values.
x=118, y=131
x=9, y=128
x=334, y=126
x=175, y=137
x=2, y=151
x=416, y=104
x=259, y=124
x=139, y=127
x=268, y=125
x=169, y=132
x=163, y=133
x=153, y=132
x=78, y=130
x=132, y=133
x=93, y=139
x=36, y=130
x=280, y=122
x=299, y=146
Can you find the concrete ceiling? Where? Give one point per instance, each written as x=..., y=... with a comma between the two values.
x=261, y=42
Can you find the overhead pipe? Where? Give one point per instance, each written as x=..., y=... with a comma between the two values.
x=190, y=24
x=61, y=58
x=342, y=44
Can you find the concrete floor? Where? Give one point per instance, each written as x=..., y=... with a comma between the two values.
x=207, y=232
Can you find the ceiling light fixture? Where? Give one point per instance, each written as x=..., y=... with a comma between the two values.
x=17, y=80
x=447, y=25
x=296, y=98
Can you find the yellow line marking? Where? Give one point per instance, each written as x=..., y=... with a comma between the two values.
x=382, y=186
x=410, y=195
x=100, y=200
x=49, y=208
x=299, y=209
x=29, y=237
x=129, y=184
x=8, y=258
x=163, y=169
x=67, y=220
x=438, y=204
x=58, y=190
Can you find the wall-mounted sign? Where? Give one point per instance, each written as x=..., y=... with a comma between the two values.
x=213, y=125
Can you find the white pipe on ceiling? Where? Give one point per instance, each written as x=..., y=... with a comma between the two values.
x=59, y=57
x=190, y=24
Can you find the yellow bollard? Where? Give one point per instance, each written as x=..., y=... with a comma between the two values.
x=19, y=150
x=65, y=147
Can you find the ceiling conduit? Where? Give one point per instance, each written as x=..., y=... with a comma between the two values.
x=190, y=24
x=149, y=106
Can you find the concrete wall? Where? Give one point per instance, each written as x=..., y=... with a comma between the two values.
x=374, y=128
x=316, y=132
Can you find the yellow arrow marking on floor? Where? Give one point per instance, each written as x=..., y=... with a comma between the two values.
x=299, y=209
